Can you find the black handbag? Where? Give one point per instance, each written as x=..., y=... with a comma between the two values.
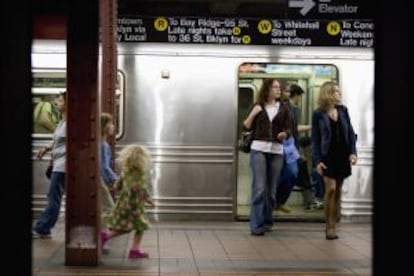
x=245, y=141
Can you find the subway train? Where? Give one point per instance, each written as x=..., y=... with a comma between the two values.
x=186, y=102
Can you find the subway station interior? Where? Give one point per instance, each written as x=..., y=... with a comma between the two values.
x=179, y=76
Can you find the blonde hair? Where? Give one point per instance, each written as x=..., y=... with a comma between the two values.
x=106, y=118
x=327, y=95
x=134, y=158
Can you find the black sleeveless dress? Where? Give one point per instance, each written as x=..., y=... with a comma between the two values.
x=337, y=162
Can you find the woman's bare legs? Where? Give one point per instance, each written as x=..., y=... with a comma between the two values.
x=330, y=206
x=338, y=194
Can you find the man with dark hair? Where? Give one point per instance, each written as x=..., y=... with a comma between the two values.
x=290, y=169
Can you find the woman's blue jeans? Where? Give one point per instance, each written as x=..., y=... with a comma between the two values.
x=50, y=214
x=266, y=168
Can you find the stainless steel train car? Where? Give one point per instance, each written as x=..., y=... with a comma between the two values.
x=185, y=102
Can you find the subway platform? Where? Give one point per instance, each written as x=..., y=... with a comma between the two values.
x=221, y=248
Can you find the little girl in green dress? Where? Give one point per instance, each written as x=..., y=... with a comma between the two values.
x=129, y=211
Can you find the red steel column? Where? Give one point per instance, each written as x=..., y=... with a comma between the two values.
x=109, y=17
x=109, y=14
x=83, y=135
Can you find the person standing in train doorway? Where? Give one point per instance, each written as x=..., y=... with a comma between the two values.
x=270, y=122
x=290, y=169
x=50, y=214
x=333, y=150
x=108, y=175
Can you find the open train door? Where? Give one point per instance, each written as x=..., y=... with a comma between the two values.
x=302, y=202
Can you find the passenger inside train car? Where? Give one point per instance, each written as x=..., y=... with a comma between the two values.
x=45, y=115
x=289, y=176
x=45, y=89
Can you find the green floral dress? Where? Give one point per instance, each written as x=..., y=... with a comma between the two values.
x=129, y=211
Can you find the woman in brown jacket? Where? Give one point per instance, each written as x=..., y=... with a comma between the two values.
x=270, y=121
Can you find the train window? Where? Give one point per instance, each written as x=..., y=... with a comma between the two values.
x=46, y=86
x=119, y=104
x=246, y=93
x=49, y=80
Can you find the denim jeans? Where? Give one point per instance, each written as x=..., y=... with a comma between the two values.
x=50, y=214
x=266, y=168
x=287, y=180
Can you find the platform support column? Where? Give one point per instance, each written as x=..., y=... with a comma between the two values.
x=83, y=135
x=108, y=20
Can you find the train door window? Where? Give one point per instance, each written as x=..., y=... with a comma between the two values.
x=308, y=76
x=246, y=97
x=119, y=104
x=46, y=86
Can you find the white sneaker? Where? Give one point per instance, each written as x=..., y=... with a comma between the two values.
x=318, y=204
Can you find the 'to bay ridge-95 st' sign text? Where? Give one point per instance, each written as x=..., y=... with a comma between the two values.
x=293, y=32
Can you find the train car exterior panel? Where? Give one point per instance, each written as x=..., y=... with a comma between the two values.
x=185, y=119
x=181, y=101
x=189, y=108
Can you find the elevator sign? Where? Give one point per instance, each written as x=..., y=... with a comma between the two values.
x=330, y=9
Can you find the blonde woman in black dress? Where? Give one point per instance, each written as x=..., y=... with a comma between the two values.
x=333, y=150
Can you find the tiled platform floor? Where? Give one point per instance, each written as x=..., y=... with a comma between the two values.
x=222, y=248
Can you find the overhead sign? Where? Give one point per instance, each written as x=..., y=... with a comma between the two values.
x=330, y=9
x=242, y=31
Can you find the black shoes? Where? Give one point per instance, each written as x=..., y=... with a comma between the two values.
x=262, y=231
x=257, y=233
x=331, y=236
x=268, y=228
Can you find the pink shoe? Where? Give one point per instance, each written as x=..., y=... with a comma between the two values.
x=136, y=254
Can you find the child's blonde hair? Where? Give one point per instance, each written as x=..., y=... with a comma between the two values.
x=134, y=157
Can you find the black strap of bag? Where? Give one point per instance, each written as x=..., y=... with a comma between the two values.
x=49, y=169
